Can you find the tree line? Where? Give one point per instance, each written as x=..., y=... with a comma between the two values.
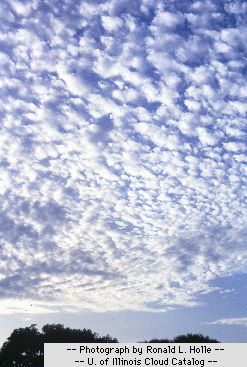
x=25, y=346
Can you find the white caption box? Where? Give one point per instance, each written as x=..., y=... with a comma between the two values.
x=145, y=354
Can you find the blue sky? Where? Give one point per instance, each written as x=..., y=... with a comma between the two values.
x=123, y=167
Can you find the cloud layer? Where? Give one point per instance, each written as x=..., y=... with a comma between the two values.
x=122, y=151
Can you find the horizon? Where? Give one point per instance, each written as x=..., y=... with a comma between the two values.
x=123, y=179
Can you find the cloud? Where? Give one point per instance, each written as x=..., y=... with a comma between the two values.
x=111, y=23
x=166, y=21
x=233, y=321
x=236, y=7
x=206, y=138
x=74, y=85
x=122, y=155
x=20, y=9
x=234, y=146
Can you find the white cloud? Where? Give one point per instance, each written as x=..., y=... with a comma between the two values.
x=74, y=85
x=192, y=105
x=111, y=24
x=233, y=321
x=88, y=10
x=128, y=95
x=122, y=155
x=222, y=47
x=105, y=66
x=166, y=21
x=234, y=147
x=187, y=124
x=151, y=93
x=236, y=7
x=22, y=9
x=205, y=137
x=236, y=107
x=233, y=132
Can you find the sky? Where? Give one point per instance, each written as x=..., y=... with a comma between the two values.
x=123, y=167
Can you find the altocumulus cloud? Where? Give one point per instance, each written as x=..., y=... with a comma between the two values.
x=122, y=152
x=235, y=321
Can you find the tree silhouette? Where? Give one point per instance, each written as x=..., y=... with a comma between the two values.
x=194, y=338
x=189, y=338
x=25, y=346
x=58, y=334
x=159, y=341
